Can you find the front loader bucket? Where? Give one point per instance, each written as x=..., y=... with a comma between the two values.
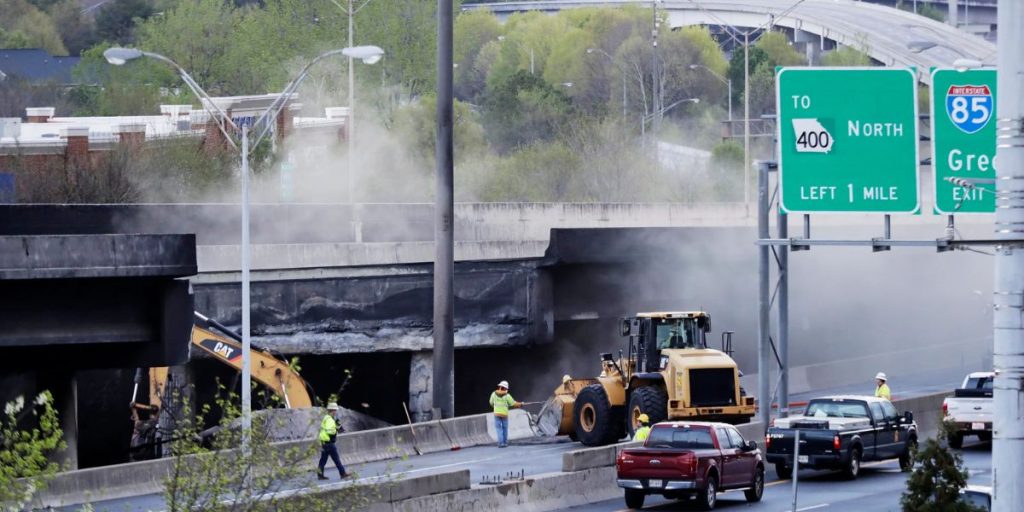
x=556, y=416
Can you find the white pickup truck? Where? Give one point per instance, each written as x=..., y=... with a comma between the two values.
x=969, y=410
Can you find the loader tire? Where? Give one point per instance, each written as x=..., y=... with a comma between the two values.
x=649, y=400
x=593, y=417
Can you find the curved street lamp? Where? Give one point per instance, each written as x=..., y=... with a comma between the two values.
x=120, y=56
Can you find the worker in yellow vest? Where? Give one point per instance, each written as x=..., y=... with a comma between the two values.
x=328, y=437
x=882, y=389
x=644, y=430
x=501, y=401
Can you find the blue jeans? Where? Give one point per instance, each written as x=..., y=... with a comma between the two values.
x=501, y=428
x=329, y=450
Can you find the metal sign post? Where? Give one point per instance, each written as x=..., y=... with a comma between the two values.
x=796, y=466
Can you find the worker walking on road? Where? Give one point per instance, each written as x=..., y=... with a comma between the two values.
x=328, y=436
x=882, y=389
x=644, y=430
x=501, y=401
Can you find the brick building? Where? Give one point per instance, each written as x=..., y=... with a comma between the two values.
x=42, y=142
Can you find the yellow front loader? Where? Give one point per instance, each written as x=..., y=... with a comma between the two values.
x=669, y=373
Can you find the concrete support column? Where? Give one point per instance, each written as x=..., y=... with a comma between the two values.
x=421, y=373
x=65, y=401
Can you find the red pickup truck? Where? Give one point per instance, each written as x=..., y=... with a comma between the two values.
x=684, y=459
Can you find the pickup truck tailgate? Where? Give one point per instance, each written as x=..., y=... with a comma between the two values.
x=780, y=441
x=657, y=463
x=969, y=410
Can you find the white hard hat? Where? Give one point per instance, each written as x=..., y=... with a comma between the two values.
x=503, y=384
x=333, y=406
x=881, y=376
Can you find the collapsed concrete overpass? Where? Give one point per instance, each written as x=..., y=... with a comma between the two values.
x=882, y=32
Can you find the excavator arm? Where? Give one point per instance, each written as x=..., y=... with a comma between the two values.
x=225, y=345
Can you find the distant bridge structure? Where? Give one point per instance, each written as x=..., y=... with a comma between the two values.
x=884, y=33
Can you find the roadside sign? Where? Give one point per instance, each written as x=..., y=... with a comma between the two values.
x=848, y=139
x=963, y=111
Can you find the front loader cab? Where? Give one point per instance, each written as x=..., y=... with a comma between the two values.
x=651, y=333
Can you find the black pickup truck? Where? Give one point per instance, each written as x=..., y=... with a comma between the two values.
x=841, y=432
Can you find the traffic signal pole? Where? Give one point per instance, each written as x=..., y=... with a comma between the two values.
x=1008, y=294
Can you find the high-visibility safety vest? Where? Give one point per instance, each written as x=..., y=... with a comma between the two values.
x=501, y=403
x=328, y=429
x=642, y=433
x=883, y=392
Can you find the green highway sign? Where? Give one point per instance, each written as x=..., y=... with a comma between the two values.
x=848, y=139
x=964, y=140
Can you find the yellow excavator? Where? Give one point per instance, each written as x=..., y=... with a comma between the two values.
x=224, y=345
x=669, y=373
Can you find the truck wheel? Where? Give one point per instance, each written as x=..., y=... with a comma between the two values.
x=783, y=471
x=956, y=440
x=706, y=498
x=594, y=421
x=634, y=498
x=907, y=457
x=649, y=400
x=756, y=490
x=852, y=468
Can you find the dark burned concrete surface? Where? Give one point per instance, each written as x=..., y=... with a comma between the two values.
x=496, y=304
x=82, y=301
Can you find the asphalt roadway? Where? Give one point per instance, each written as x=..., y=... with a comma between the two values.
x=878, y=489
x=538, y=456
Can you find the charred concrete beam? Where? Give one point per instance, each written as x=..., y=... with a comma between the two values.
x=497, y=304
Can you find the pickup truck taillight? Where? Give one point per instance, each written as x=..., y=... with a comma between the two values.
x=688, y=461
x=945, y=408
x=767, y=441
x=835, y=442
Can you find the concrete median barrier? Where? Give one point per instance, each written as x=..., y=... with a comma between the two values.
x=140, y=478
x=550, y=491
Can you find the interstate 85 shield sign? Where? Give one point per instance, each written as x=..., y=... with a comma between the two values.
x=964, y=140
x=969, y=107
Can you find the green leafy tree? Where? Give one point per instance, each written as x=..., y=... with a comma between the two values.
x=727, y=170
x=210, y=472
x=116, y=20
x=33, y=27
x=29, y=435
x=771, y=50
x=473, y=31
x=938, y=475
x=522, y=109
x=407, y=31
x=756, y=58
x=416, y=125
x=77, y=30
x=846, y=56
x=780, y=51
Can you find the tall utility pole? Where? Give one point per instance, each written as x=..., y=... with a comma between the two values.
x=351, y=125
x=1008, y=294
x=444, y=220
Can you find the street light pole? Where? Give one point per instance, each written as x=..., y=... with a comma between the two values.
x=119, y=56
x=350, y=130
x=246, y=305
x=724, y=80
